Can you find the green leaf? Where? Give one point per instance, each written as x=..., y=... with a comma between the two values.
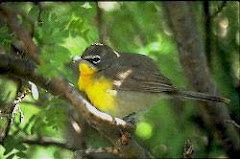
x=61, y=54
x=8, y=149
x=21, y=147
x=33, y=13
x=55, y=116
x=55, y=57
x=11, y=156
x=48, y=70
x=5, y=38
x=9, y=144
x=21, y=154
x=38, y=124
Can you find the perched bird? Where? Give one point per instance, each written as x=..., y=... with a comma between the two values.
x=122, y=83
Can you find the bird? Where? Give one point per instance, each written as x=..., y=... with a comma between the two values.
x=123, y=83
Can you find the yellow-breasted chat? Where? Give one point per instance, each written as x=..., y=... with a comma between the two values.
x=122, y=83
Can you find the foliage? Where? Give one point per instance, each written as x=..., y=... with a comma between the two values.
x=63, y=30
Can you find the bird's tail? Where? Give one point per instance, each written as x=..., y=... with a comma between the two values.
x=202, y=96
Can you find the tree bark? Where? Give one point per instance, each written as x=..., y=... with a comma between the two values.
x=193, y=60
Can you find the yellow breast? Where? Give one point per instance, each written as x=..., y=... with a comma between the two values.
x=97, y=89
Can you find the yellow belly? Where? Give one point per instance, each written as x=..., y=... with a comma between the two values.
x=98, y=92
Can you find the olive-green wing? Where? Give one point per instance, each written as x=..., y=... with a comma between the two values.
x=145, y=82
x=138, y=73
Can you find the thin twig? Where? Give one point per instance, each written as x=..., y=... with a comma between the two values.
x=39, y=18
x=13, y=109
x=90, y=151
x=47, y=141
x=219, y=9
x=188, y=149
x=208, y=31
x=234, y=123
x=99, y=21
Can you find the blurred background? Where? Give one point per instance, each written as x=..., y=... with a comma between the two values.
x=62, y=30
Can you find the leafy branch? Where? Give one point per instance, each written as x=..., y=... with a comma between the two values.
x=21, y=33
x=109, y=126
x=112, y=128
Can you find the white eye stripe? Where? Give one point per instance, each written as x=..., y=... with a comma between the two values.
x=116, y=53
x=96, y=59
x=97, y=44
x=96, y=56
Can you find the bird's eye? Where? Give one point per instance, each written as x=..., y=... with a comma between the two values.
x=96, y=59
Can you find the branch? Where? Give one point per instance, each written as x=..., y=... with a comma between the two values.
x=219, y=9
x=233, y=123
x=99, y=19
x=88, y=152
x=208, y=31
x=111, y=128
x=193, y=60
x=22, y=34
x=46, y=141
x=39, y=4
x=188, y=150
x=12, y=111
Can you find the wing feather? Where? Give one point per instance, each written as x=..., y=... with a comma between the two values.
x=139, y=74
